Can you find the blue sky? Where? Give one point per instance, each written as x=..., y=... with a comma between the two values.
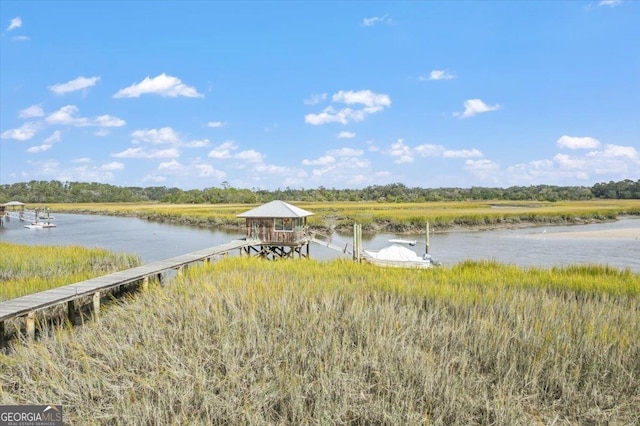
x=272, y=95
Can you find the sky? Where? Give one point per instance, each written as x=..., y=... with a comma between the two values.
x=267, y=95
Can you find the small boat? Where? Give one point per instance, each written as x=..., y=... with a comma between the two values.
x=397, y=256
x=40, y=225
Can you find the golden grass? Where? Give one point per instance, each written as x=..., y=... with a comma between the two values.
x=26, y=269
x=244, y=341
x=388, y=216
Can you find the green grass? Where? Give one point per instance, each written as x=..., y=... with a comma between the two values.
x=245, y=341
x=26, y=269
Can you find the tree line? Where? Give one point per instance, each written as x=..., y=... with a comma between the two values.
x=84, y=192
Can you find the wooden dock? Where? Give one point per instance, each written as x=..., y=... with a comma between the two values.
x=27, y=306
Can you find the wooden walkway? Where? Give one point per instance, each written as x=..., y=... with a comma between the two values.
x=28, y=305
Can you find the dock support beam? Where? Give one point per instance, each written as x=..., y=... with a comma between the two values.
x=71, y=311
x=30, y=325
x=2, y=339
x=145, y=283
x=96, y=305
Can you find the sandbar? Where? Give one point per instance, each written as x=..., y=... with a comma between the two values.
x=603, y=234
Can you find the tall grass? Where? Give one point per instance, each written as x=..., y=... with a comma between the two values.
x=390, y=217
x=244, y=341
x=26, y=269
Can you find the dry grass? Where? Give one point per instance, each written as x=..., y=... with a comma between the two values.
x=244, y=341
x=396, y=217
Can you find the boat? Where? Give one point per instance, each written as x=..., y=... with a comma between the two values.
x=40, y=225
x=397, y=256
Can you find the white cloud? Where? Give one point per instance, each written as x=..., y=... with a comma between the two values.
x=196, y=143
x=156, y=136
x=610, y=3
x=483, y=168
x=223, y=151
x=345, y=152
x=401, y=152
x=475, y=106
x=15, y=23
x=153, y=154
x=364, y=97
x=67, y=115
x=372, y=102
x=346, y=135
x=429, y=150
x=322, y=161
x=108, y=121
x=437, y=75
x=74, y=85
x=82, y=171
x=172, y=166
x=573, y=142
x=315, y=99
x=205, y=170
x=20, y=38
x=462, y=153
x=369, y=22
x=251, y=156
x=114, y=165
x=47, y=144
x=162, y=85
x=32, y=111
x=216, y=124
x=22, y=133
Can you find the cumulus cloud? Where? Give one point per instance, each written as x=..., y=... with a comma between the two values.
x=404, y=153
x=461, y=153
x=151, y=154
x=370, y=22
x=321, y=161
x=573, y=142
x=315, y=99
x=224, y=150
x=22, y=133
x=371, y=103
x=610, y=3
x=68, y=116
x=79, y=83
x=401, y=152
x=163, y=85
x=346, y=135
x=31, y=112
x=251, y=156
x=475, y=106
x=437, y=75
x=15, y=23
x=155, y=136
x=346, y=152
x=216, y=124
x=47, y=143
x=482, y=169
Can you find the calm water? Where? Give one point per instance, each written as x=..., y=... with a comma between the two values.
x=156, y=241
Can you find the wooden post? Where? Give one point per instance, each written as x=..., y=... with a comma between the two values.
x=96, y=305
x=145, y=283
x=71, y=311
x=31, y=325
x=2, y=339
x=427, y=246
x=179, y=270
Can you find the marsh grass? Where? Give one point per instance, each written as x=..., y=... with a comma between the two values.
x=390, y=217
x=244, y=341
x=26, y=269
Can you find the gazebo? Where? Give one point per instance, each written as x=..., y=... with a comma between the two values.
x=279, y=228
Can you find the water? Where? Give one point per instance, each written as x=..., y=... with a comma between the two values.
x=524, y=247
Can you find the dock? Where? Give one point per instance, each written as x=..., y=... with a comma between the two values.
x=28, y=306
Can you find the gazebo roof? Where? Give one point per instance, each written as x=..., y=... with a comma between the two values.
x=14, y=203
x=276, y=208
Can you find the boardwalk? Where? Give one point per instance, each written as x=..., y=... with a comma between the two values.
x=28, y=305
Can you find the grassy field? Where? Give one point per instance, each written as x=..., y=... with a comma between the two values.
x=244, y=341
x=26, y=269
x=389, y=217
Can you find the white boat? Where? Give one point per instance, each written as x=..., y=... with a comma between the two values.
x=40, y=225
x=397, y=256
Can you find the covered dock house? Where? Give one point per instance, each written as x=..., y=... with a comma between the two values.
x=279, y=228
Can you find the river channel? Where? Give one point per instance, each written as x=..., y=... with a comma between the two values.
x=535, y=246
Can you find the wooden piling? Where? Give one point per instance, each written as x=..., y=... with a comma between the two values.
x=96, y=305
x=71, y=310
x=30, y=325
x=2, y=338
x=145, y=283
